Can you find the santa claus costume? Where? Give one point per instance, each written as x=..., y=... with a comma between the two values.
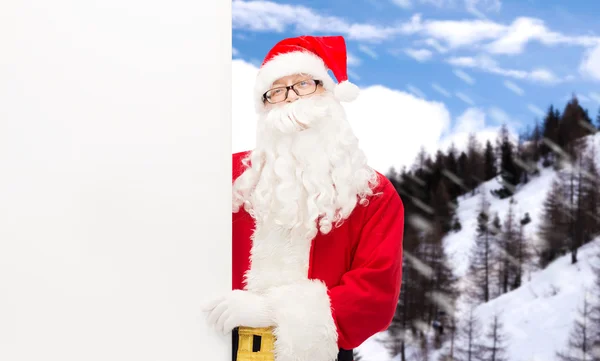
x=317, y=233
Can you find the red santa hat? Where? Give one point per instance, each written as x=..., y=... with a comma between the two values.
x=308, y=55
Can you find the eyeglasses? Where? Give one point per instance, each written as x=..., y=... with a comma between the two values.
x=279, y=94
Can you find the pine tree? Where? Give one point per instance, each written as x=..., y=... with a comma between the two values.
x=443, y=211
x=550, y=131
x=475, y=163
x=496, y=232
x=400, y=325
x=412, y=295
x=489, y=168
x=463, y=171
x=590, y=196
x=575, y=123
x=449, y=354
x=508, y=249
x=553, y=226
x=581, y=342
x=536, y=141
x=571, y=175
x=420, y=160
x=480, y=263
x=522, y=256
x=496, y=346
x=510, y=172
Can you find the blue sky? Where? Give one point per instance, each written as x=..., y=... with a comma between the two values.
x=510, y=59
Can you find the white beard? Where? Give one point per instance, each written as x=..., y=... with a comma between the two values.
x=304, y=179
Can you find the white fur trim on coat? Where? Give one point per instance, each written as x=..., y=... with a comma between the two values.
x=274, y=261
x=305, y=329
x=297, y=62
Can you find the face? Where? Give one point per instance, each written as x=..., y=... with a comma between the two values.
x=307, y=172
x=303, y=84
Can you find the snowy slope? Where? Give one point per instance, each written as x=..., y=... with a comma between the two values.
x=538, y=316
x=529, y=198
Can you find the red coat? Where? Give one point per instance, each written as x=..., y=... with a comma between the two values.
x=360, y=262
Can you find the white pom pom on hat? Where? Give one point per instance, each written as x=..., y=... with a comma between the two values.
x=346, y=91
x=312, y=55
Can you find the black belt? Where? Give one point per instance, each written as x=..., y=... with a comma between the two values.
x=343, y=355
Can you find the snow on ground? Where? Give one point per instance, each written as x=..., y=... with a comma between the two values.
x=538, y=316
x=529, y=199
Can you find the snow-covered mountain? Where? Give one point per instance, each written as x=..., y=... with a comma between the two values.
x=539, y=315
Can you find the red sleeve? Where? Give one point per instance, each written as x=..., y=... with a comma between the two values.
x=365, y=301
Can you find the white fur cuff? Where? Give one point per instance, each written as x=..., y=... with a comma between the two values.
x=305, y=329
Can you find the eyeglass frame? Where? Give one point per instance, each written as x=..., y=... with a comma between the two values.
x=287, y=90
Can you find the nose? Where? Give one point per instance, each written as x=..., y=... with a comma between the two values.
x=292, y=96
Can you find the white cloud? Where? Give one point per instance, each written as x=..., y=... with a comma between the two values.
x=535, y=110
x=381, y=117
x=441, y=90
x=435, y=44
x=438, y=3
x=487, y=64
x=353, y=75
x=473, y=120
x=478, y=7
x=353, y=60
x=590, y=66
x=416, y=91
x=501, y=117
x=498, y=115
x=514, y=87
x=464, y=76
x=544, y=76
x=405, y=4
x=580, y=97
x=419, y=54
x=234, y=51
x=595, y=97
x=475, y=7
x=459, y=33
x=524, y=30
x=465, y=98
x=267, y=16
x=368, y=51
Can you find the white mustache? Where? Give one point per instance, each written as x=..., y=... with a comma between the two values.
x=298, y=115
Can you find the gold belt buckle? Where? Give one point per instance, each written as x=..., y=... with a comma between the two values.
x=246, y=341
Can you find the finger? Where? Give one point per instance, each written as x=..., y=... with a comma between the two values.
x=225, y=316
x=216, y=313
x=229, y=325
x=210, y=305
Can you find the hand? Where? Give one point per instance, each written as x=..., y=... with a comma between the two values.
x=238, y=308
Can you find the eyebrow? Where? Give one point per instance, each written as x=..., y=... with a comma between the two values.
x=296, y=79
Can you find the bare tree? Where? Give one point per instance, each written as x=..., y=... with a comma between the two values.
x=481, y=259
x=523, y=255
x=468, y=346
x=579, y=345
x=553, y=226
x=507, y=249
x=495, y=346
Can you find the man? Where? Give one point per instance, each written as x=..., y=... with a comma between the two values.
x=317, y=234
